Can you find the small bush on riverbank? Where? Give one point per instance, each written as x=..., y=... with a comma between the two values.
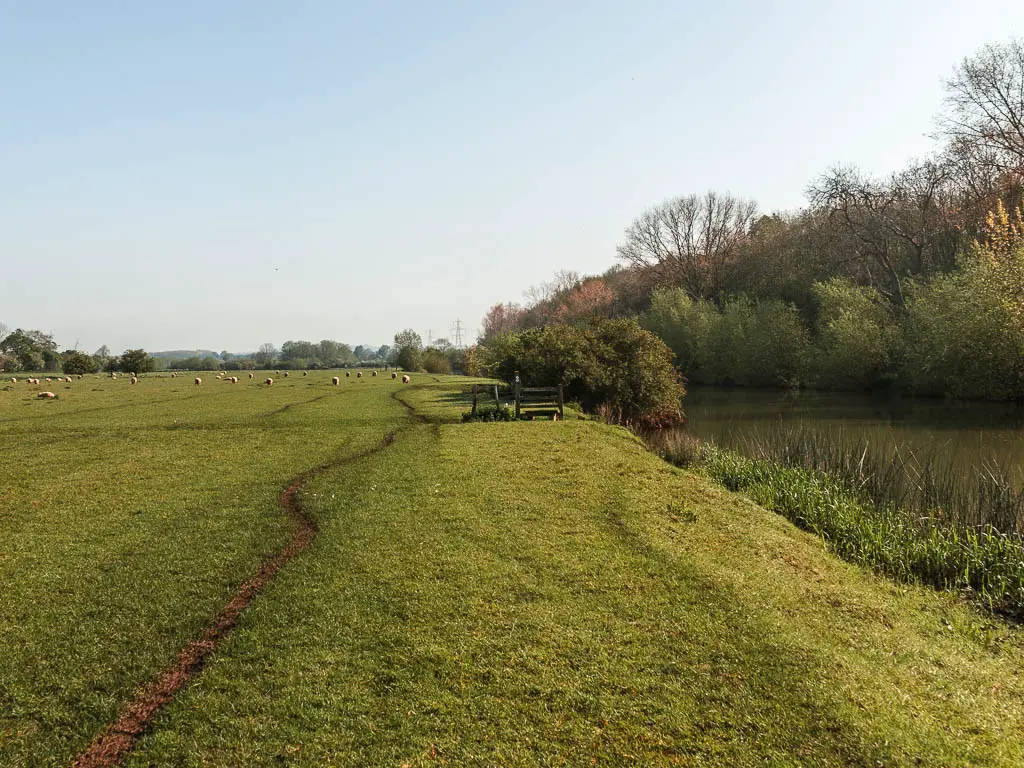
x=490, y=413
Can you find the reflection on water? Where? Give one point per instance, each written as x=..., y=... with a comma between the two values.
x=960, y=434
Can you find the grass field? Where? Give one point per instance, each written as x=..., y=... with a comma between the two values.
x=481, y=594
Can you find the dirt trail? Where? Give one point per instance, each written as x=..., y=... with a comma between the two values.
x=114, y=743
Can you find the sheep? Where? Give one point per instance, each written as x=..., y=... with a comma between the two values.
x=394, y=375
x=251, y=374
x=49, y=379
x=198, y=381
x=13, y=380
x=374, y=373
x=135, y=380
x=305, y=373
x=46, y=395
x=270, y=382
x=67, y=379
x=286, y=374
x=405, y=379
x=359, y=375
x=335, y=380
x=347, y=374
x=174, y=375
x=233, y=379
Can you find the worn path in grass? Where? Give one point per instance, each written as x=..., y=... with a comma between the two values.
x=132, y=520
x=542, y=594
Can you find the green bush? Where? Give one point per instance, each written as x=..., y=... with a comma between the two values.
x=436, y=361
x=490, y=413
x=854, y=336
x=683, y=324
x=613, y=365
x=963, y=336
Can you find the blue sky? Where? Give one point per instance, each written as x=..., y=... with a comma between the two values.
x=221, y=174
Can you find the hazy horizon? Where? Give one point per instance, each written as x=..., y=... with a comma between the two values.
x=197, y=177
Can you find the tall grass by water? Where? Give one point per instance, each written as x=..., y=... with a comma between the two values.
x=905, y=514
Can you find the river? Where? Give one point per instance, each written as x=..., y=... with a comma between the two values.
x=957, y=434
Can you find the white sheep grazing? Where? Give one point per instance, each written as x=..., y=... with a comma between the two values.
x=47, y=395
x=305, y=373
x=286, y=374
x=405, y=379
x=135, y=380
x=48, y=378
x=198, y=381
x=174, y=375
x=270, y=382
x=359, y=375
x=251, y=375
x=234, y=379
x=67, y=379
x=13, y=380
x=394, y=375
x=347, y=374
x=335, y=380
x=374, y=373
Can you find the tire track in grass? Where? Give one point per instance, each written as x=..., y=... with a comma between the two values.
x=116, y=740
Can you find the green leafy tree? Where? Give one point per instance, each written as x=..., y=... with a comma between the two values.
x=136, y=361
x=32, y=350
x=409, y=350
x=78, y=363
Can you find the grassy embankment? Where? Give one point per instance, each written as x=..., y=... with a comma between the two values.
x=523, y=594
x=949, y=529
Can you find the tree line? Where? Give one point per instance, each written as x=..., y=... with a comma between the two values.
x=33, y=350
x=911, y=281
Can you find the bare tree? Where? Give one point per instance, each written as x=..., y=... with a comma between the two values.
x=565, y=281
x=901, y=226
x=690, y=241
x=985, y=101
x=265, y=355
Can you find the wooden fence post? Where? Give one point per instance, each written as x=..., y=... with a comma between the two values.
x=517, y=393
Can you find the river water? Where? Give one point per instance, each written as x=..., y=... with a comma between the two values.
x=956, y=434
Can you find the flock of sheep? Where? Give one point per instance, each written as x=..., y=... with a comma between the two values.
x=335, y=380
